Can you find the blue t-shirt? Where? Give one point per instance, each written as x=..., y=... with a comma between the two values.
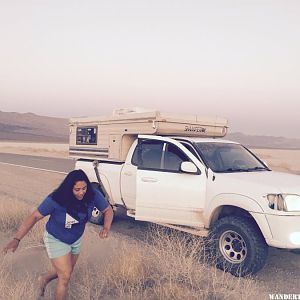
x=62, y=225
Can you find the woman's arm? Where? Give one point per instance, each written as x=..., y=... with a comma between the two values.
x=24, y=228
x=108, y=217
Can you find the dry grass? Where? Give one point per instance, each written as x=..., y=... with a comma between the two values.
x=12, y=213
x=17, y=285
x=87, y=281
x=12, y=287
x=167, y=265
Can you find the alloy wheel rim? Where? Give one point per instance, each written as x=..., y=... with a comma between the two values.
x=233, y=247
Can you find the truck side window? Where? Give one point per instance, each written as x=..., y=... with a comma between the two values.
x=148, y=154
x=191, y=149
x=173, y=158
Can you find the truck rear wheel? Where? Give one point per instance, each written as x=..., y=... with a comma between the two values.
x=97, y=216
x=238, y=246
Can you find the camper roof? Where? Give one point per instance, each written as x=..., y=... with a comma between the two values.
x=151, y=115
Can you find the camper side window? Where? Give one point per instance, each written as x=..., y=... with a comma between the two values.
x=86, y=136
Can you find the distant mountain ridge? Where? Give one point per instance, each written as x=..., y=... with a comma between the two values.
x=34, y=128
x=263, y=141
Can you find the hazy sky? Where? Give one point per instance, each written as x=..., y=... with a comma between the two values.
x=238, y=59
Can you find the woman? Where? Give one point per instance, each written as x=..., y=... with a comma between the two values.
x=70, y=207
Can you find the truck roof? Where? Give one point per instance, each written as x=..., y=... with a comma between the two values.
x=204, y=139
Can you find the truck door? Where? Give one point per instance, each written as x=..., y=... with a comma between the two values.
x=128, y=178
x=164, y=193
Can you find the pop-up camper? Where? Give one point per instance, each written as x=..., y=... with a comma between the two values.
x=109, y=138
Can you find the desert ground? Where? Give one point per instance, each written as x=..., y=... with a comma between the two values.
x=144, y=264
x=280, y=159
x=37, y=149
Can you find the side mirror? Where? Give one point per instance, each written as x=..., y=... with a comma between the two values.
x=188, y=167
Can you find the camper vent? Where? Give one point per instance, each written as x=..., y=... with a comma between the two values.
x=125, y=111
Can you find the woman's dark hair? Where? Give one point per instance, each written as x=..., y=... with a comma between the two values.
x=64, y=196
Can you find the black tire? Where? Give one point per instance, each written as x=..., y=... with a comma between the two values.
x=238, y=246
x=97, y=216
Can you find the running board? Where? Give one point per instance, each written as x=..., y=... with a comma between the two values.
x=191, y=230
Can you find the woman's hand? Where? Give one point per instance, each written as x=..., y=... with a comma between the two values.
x=12, y=245
x=26, y=225
x=108, y=217
x=103, y=233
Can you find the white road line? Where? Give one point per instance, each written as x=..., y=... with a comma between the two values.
x=46, y=170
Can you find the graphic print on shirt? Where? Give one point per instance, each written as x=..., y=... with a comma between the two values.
x=70, y=221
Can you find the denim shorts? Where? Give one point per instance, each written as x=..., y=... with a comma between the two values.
x=56, y=248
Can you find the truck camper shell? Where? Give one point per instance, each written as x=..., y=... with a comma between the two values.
x=109, y=138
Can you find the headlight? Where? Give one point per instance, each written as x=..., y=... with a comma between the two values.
x=284, y=202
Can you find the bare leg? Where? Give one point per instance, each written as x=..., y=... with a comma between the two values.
x=45, y=278
x=64, y=267
x=74, y=258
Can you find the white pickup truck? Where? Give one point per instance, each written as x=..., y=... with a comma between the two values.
x=210, y=187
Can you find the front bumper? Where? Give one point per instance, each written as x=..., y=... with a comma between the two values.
x=285, y=231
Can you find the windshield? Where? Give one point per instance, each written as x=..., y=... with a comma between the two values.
x=227, y=157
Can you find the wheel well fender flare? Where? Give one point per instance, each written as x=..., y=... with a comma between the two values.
x=106, y=185
x=240, y=202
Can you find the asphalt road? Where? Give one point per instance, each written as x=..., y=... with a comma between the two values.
x=40, y=162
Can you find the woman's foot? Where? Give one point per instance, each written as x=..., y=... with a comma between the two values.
x=43, y=280
x=42, y=286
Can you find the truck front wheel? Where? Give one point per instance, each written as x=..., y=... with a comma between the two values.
x=238, y=246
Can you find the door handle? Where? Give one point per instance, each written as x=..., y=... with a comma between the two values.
x=149, y=179
x=128, y=173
